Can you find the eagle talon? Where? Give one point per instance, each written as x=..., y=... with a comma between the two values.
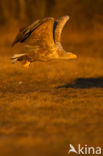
x=27, y=64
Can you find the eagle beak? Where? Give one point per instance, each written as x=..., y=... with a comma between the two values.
x=68, y=56
x=72, y=56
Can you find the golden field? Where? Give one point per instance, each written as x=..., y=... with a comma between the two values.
x=52, y=104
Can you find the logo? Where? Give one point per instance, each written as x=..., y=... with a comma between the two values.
x=85, y=150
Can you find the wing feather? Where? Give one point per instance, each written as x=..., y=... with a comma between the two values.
x=59, y=27
x=26, y=32
x=42, y=37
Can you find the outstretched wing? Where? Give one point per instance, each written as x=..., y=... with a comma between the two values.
x=26, y=33
x=41, y=38
x=58, y=27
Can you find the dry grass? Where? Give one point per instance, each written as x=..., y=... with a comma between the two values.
x=52, y=104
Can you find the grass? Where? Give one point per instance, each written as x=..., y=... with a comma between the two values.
x=50, y=105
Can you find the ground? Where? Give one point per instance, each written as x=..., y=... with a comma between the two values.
x=45, y=108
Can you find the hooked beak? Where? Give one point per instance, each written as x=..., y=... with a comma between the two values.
x=71, y=56
x=68, y=56
x=63, y=55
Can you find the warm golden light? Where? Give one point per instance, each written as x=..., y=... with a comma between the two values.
x=56, y=105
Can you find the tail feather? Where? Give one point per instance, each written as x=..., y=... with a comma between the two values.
x=21, y=57
x=18, y=57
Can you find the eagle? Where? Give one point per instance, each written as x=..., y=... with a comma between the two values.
x=40, y=41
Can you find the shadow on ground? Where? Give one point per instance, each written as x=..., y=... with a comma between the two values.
x=84, y=83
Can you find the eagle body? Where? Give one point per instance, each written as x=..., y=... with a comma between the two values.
x=40, y=41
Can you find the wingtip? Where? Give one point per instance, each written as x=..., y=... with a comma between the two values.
x=13, y=44
x=67, y=17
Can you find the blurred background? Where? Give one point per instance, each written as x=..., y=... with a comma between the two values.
x=85, y=25
x=49, y=105
x=85, y=14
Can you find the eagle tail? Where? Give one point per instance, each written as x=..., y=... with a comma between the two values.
x=22, y=58
x=18, y=57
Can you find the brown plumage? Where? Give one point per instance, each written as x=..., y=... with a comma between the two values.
x=41, y=41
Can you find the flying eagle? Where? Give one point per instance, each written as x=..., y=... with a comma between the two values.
x=41, y=41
